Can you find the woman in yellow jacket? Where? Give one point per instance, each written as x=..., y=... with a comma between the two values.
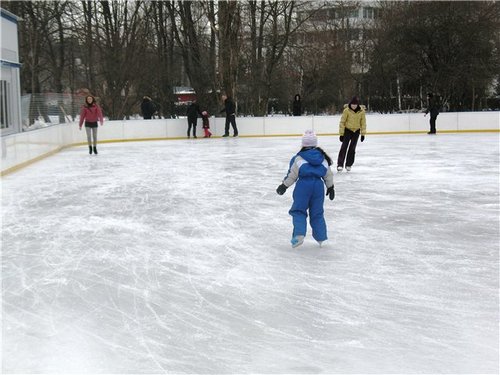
x=352, y=123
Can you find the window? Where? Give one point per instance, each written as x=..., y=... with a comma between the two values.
x=353, y=13
x=4, y=104
x=368, y=13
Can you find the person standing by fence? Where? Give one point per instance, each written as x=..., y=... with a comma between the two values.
x=192, y=112
x=91, y=113
x=148, y=108
x=297, y=106
x=433, y=108
x=230, y=109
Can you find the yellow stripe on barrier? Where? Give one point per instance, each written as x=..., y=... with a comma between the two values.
x=31, y=161
x=38, y=158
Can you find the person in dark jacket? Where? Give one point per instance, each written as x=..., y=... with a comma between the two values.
x=433, y=108
x=297, y=106
x=193, y=110
x=148, y=108
x=230, y=109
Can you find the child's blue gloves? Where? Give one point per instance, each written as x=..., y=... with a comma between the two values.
x=330, y=192
x=281, y=189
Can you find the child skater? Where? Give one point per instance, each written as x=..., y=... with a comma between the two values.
x=206, y=124
x=352, y=123
x=91, y=113
x=311, y=169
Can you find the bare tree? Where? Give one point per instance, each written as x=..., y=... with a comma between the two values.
x=229, y=28
x=195, y=39
x=163, y=74
x=272, y=28
x=119, y=39
x=54, y=34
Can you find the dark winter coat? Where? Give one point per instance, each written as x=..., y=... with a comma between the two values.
x=229, y=107
x=206, y=122
x=297, y=106
x=433, y=107
x=148, y=108
x=193, y=110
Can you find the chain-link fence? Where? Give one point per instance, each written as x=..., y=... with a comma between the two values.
x=46, y=109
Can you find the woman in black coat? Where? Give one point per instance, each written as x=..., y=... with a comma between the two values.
x=297, y=106
x=148, y=108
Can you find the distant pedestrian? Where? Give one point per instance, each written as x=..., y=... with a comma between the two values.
x=433, y=108
x=148, y=108
x=352, y=123
x=297, y=106
x=206, y=124
x=193, y=110
x=91, y=113
x=230, y=109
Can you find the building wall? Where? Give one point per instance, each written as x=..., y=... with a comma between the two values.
x=24, y=148
x=10, y=83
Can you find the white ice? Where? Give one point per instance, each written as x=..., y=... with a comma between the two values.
x=174, y=257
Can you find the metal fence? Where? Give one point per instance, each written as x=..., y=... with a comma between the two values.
x=46, y=109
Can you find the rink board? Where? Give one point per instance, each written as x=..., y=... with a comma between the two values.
x=20, y=149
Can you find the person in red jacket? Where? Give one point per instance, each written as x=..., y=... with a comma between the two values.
x=91, y=113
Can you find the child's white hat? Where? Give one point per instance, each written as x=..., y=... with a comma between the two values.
x=309, y=139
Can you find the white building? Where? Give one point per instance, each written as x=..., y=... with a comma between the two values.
x=342, y=22
x=10, y=83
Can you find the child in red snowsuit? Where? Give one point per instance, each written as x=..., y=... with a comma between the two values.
x=206, y=124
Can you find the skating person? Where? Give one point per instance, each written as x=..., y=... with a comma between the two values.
x=193, y=110
x=230, y=109
x=206, y=124
x=433, y=108
x=352, y=123
x=297, y=106
x=311, y=169
x=91, y=113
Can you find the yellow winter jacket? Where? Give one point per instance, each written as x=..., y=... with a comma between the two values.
x=353, y=120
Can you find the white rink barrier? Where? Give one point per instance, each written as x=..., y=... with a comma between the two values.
x=22, y=149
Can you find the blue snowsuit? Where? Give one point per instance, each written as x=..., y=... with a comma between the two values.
x=309, y=168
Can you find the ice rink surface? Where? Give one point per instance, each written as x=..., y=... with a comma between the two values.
x=174, y=257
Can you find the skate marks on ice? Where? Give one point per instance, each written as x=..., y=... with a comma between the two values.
x=175, y=257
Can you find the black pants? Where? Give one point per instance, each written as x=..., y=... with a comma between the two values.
x=192, y=124
x=432, y=121
x=231, y=119
x=349, y=146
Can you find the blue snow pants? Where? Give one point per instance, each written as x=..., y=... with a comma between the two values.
x=309, y=194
